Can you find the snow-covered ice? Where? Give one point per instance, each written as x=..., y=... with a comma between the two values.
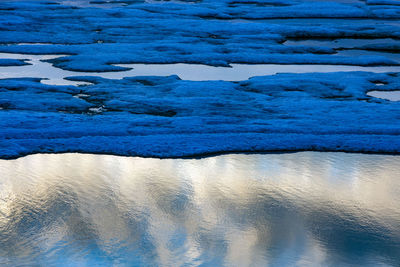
x=215, y=104
x=170, y=117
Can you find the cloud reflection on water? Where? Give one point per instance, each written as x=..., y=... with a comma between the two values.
x=233, y=210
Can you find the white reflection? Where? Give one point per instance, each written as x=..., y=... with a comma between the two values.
x=192, y=72
x=233, y=210
x=388, y=95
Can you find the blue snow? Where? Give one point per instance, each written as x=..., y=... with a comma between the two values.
x=206, y=32
x=169, y=117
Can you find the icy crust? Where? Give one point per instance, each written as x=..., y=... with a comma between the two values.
x=169, y=117
x=213, y=32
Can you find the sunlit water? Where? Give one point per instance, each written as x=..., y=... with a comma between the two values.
x=301, y=209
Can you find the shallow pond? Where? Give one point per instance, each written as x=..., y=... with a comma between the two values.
x=296, y=209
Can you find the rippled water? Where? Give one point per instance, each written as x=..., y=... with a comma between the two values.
x=301, y=209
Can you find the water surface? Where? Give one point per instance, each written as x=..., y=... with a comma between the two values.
x=300, y=209
x=388, y=95
x=191, y=72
